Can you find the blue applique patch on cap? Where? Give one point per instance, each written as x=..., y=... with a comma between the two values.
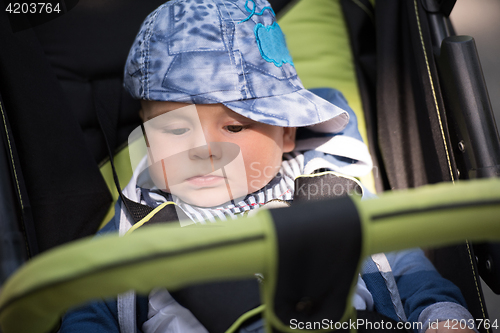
x=272, y=46
x=270, y=38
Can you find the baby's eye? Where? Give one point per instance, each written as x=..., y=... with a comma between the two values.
x=234, y=128
x=176, y=131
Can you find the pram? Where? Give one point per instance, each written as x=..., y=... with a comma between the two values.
x=95, y=90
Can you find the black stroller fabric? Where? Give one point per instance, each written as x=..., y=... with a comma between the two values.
x=54, y=79
x=402, y=101
x=400, y=93
x=50, y=150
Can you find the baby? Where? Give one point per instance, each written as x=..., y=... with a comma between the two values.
x=228, y=127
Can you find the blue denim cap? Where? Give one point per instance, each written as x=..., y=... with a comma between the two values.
x=224, y=51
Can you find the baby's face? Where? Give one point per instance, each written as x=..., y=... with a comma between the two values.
x=207, y=154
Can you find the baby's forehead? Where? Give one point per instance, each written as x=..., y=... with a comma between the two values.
x=153, y=109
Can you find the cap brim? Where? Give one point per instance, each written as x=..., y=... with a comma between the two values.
x=297, y=109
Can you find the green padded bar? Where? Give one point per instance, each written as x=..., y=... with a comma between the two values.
x=430, y=216
x=317, y=37
x=36, y=296
x=83, y=270
x=124, y=172
x=433, y=215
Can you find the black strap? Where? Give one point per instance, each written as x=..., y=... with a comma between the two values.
x=218, y=305
x=136, y=210
x=308, y=287
x=108, y=118
x=169, y=213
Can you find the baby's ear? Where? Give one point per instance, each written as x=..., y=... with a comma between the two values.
x=289, y=139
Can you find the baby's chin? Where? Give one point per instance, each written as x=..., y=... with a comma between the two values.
x=210, y=198
x=208, y=202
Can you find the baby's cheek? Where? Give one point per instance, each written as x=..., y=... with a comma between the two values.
x=260, y=174
x=157, y=174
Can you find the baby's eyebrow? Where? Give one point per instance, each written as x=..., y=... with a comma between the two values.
x=157, y=113
x=161, y=119
x=239, y=117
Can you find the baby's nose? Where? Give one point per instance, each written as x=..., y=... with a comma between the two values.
x=211, y=150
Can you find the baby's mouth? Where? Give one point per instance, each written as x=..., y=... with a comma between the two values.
x=205, y=181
